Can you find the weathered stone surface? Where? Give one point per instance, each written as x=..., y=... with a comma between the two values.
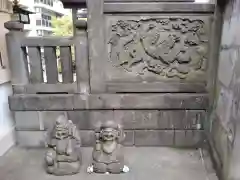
x=63, y=156
x=129, y=139
x=184, y=119
x=31, y=138
x=137, y=137
x=230, y=29
x=28, y=120
x=176, y=138
x=87, y=138
x=138, y=50
x=41, y=102
x=48, y=118
x=227, y=61
x=141, y=119
x=149, y=101
x=145, y=162
x=154, y=138
x=108, y=101
x=146, y=7
x=81, y=119
x=188, y=138
x=108, y=155
x=222, y=146
x=224, y=106
x=157, y=87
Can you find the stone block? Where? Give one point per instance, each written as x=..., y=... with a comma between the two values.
x=80, y=119
x=224, y=105
x=47, y=118
x=27, y=120
x=237, y=65
x=31, y=138
x=38, y=138
x=221, y=141
x=153, y=137
x=226, y=66
x=65, y=102
x=87, y=138
x=90, y=120
x=36, y=102
x=99, y=117
x=138, y=119
x=188, y=138
x=181, y=119
x=129, y=139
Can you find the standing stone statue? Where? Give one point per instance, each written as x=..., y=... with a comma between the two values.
x=63, y=156
x=108, y=152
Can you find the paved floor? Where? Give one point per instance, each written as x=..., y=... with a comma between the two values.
x=148, y=163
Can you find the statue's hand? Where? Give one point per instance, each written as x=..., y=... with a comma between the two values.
x=90, y=169
x=125, y=169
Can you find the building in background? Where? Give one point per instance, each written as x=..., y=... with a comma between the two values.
x=40, y=24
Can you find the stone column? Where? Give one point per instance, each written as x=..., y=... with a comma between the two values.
x=16, y=55
x=81, y=53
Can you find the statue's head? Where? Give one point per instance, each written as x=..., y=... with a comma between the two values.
x=61, y=127
x=110, y=131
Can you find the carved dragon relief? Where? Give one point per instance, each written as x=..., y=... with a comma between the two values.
x=164, y=47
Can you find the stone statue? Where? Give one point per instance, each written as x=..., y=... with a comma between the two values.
x=63, y=156
x=108, y=152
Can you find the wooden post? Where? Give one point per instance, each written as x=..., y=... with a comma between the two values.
x=16, y=55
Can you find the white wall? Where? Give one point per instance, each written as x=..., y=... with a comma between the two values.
x=6, y=119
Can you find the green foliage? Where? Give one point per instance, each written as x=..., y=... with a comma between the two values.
x=62, y=26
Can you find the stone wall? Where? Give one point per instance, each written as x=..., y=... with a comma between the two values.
x=225, y=124
x=178, y=128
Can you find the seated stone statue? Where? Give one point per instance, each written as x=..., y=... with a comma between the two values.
x=63, y=156
x=108, y=152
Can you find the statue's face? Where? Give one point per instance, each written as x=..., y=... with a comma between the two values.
x=61, y=128
x=61, y=134
x=109, y=134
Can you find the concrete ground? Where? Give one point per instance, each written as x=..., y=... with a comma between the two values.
x=146, y=163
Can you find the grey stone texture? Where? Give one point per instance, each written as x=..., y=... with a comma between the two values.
x=27, y=120
x=173, y=138
x=142, y=127
x=131, y=119
x=63, y=155
x=145, y=163
x=69, y=102
x=224, y=127
x=159, y=96
x=108, y=154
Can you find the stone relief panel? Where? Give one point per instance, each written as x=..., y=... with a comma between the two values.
x=159, y=47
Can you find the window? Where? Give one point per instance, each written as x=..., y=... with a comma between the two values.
x=38, y=22
x=40, y=32
x=46, y=20
x=47, y=33
x=43, y=22
x=38, y=10
x=47, y=2
x=44, y=33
